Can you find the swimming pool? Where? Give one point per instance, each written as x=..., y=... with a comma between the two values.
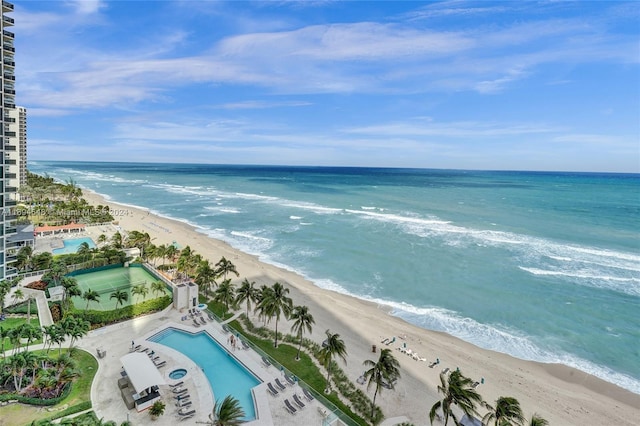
x=225, y=374
x=71, y=246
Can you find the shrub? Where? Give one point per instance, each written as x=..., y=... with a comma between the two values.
x=101, y=318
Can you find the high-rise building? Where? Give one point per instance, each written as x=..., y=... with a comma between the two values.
x=16, y=147
x=7, y=104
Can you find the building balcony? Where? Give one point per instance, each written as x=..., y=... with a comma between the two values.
x=10, y=162
x=8, y=105
x=8, y=21
x=10, y=203
x=6, y=6
x=9, y=119
x=10, y=175
x=9, y=231
x=9, y=63
x=10, y=189
x=11, y=135
x=9, y=76
x=10, y=92
x=8, y=47
x=8, y=34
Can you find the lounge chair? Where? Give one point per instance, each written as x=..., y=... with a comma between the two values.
x=154, y=358
x=280, y=385
x=196, y=323
x=289, y=380
x=144, y=350
x=175, y=385
x=137, y=348
x=182, y=396
x=391, y=341
x=245, y=345
x=210, y=316
x=187, y=416
x=184, y=412
x=475, y=385
x=203, y=321
x=180, y=390
x=161, y=364
x=307, y=394
x=271, y=389
x=290, y=408
x=385, y=341
x=184, y=403
x=297, y=401
x=266, y=362
x=446, y=370
x=361, y=380
x=225, y=328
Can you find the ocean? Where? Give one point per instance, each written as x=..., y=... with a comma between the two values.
x=542, y=266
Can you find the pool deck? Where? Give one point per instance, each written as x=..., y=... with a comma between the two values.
x=116, y=341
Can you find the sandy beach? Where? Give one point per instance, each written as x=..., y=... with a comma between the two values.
x=562, y=395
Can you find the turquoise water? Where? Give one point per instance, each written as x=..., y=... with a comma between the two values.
x=71, y=246
x=542, y=266
x=225, y=374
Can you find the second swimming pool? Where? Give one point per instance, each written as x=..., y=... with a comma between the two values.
x=225, y=374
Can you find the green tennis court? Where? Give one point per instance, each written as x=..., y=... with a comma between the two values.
x=108, y=281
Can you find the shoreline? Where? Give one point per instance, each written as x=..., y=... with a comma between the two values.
x=561, y=394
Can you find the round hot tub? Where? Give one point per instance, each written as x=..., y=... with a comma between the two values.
x=202, y=306
x=178, y=373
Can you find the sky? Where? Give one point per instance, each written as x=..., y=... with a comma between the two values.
x=545, y=85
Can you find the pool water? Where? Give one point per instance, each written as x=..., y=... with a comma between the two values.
x=178, y=374
x=225, y=374
x=71, y=246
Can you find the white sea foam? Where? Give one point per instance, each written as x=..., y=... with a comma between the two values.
x=221, y=209
x=295, y=217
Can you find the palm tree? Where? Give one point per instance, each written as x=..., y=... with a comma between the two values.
x=116, y=240
x=385, y=372
x=302, y=320
x=90, y=296
x=205, y=275
x=157, y=287
x=17, y=296
x=140, y=290
x=31, y=333
x=225, y=293
x=4, y=333
x=247, y=293
x=224, y=267
x=102, y=239
x=227, y=412
x=536, y=420
x=507, y=412
x=275, y=303
x=457, y=390
x=121, y=296
x=84, y=250
x=331, y=347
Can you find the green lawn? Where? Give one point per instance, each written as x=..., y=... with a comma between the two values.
x=22, y=414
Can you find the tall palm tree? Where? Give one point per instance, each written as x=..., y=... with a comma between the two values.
x=331, y=347
x=17, y=296
x=275, y=303
x=205, y=275
x=226, y=294
x=302, y=320
x=247, y=293
x=31, y=333
x=456, y=389
x=384, y=372
x=140, y=290
x=121, y=296
x=84, y=250
x=227, y=412
x=225, y=267
x=507, y=412
x=116, y=240
x=102, y=239
x=157, y=287
x=536, y=420
x=90, y=296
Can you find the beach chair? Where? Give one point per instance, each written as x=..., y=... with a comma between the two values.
x=361, y=380
x=385, y=341
x=445, y=371
x=290, y=408
x=187, y=416
x=475, y=385
x=297, y=401
x=271, y=389
x=179, y=390
x=183, y=403
x=280, y=385
x=266, y=362
x=245, y=346
x=391, y=341
x=161, y=364
x=175, y=385
x=137, y=348
x=225, y=328
x=203, y=321
x=182, y=396
x=196, y=323
x=184, y=412
x=307, y=394
x=210, y=316
x=289, y=380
